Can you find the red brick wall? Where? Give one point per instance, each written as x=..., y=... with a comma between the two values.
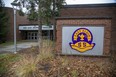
x=22, y=20
x=109, y=11
x=87, y=11
x=19, y=20
x=85, y=22
x=113, y=34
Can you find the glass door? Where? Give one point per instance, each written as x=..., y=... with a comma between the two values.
x=32, y=35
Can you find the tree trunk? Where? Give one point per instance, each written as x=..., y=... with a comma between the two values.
x=49, y=34
x=54, y=23
x=54, y=32
x=40, y=35
x=40, y=29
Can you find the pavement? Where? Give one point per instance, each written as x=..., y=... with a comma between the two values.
x=20, y=46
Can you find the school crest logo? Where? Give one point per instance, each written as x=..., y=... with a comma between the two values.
x=82, y=40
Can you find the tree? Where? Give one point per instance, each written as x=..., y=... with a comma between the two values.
x=1, y=3
x=43, y=11
x=3, y=22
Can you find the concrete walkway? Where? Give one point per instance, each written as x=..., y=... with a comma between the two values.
x=20, y=46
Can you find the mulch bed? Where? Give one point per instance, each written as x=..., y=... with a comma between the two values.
x=74, y=66
x=84, y=66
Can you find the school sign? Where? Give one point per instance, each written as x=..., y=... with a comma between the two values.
x=82, y=40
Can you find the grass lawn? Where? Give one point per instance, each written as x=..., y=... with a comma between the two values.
x=11, y=43
x=7, y=43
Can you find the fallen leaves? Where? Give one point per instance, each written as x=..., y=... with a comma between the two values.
x=69, y=66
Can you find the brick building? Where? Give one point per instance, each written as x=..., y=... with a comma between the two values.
x=95, y=15
x=26, y=30
x=71, y=15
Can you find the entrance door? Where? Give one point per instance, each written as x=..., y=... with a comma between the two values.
x=32, y=35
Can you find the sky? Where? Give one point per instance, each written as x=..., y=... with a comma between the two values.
x=70, y=2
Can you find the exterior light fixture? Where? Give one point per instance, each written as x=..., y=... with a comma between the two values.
x=15, y=5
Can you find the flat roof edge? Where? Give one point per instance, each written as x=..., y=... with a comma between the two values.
x=85, y=17
x=90, y=5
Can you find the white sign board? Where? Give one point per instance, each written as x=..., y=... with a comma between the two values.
x=82, y=40
x=31, y=27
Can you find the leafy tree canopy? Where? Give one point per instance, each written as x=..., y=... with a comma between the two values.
x=3, y=22
x=2, y=3
x=44, y=9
